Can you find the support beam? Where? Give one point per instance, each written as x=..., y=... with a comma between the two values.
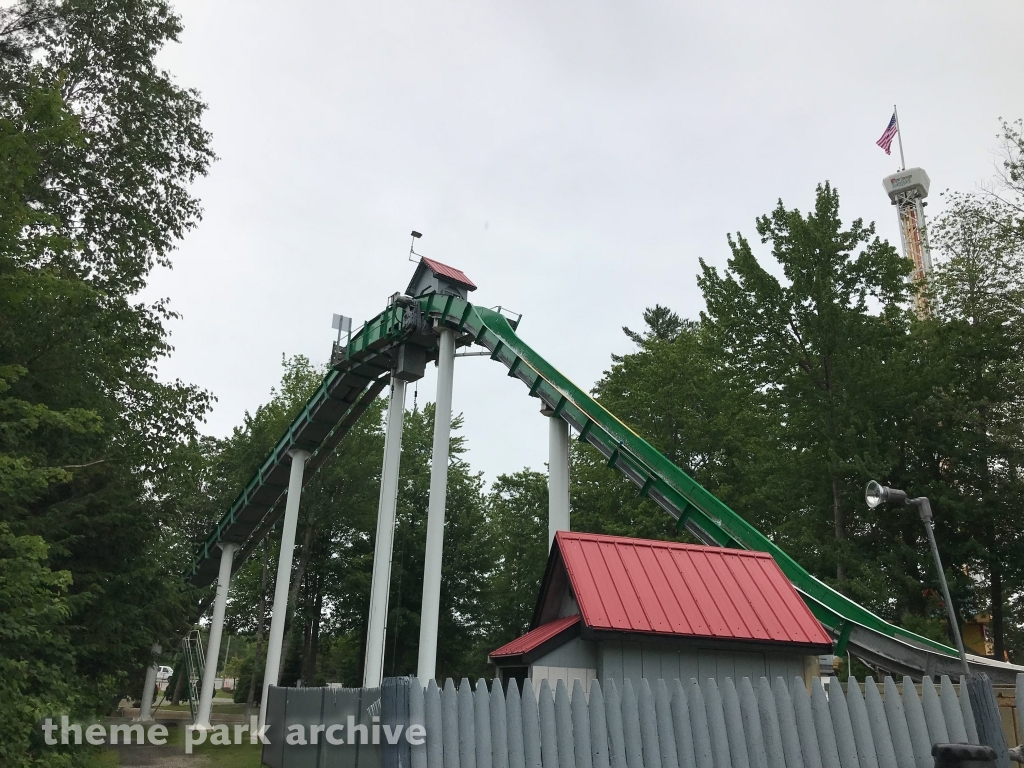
x=227, y=553
x=284, y=578
x=377, y=623
x=431, y=605
x=148, y=691
x=558, y=476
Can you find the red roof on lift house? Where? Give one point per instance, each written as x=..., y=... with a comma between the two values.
x=668, y=589
x=450, y=272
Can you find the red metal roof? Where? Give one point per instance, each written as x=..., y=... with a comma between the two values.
x=637, y=585
x=536, y=637
x=450, y=272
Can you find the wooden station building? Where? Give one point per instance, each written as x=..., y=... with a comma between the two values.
x=623, y=608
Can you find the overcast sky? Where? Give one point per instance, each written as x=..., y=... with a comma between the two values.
x=575, y=159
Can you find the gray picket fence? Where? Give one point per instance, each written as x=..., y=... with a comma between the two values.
x=661, y=724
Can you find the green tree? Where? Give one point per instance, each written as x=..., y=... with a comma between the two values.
x=230, y=465
x=975, y=345
x=333, y=601
x=1009, y=187
x=699, y=414
x=813, y=345
x=330, y=580
x=517, y=513
x=467, y=558
x=805, y=378
x=335, y=562
x=98, y=148
x=35, y=648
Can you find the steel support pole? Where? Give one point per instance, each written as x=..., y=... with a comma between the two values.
x=558, y=477
x=284, y=578
x=146, y=708
x=227, y=553
x=377, y=623
x=925, y=508
x=430, y=607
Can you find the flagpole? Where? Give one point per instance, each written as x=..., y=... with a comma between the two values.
x=899, y=135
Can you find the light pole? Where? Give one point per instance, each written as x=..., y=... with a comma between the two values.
x=876, y=494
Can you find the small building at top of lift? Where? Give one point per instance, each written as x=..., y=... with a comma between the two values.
x=434, y=277
x=620, y=608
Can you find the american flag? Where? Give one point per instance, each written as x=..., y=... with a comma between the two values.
x=890, y=133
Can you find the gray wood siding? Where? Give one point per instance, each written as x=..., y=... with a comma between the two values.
x=633, y=660
x=575, y=653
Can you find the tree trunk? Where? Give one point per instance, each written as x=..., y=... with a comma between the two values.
x=182, y=673
x=995, y=592
x=309, y=663
x=260, y=621
x=995, y=568
x=840, y=521
x=303, y=681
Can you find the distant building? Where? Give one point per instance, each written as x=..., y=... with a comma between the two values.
x=615, y=607
x=977, y=634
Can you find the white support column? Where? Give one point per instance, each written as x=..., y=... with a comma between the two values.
x=284, y=579
x=227, y=553
x=558, y=477
x=431, y=604
x=377, y=623
x=146, y=708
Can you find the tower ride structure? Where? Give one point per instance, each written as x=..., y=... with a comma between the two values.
x=907, y=190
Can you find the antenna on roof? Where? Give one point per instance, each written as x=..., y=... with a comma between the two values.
x=412, y=246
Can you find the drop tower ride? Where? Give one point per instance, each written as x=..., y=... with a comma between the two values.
x=907, y=190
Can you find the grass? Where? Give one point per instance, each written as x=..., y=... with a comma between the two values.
x=244, y=755
x=241, y=756
x=234, y=756
x=105, y=759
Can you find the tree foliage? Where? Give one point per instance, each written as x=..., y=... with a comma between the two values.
x=517, y=517
x=808, y=374
x=805, y=346
x=36, y=644
x=332, y=568
x=98, y=147
x=975, y=347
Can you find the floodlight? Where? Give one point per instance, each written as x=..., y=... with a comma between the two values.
x=876, y=494
x=412, y=245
